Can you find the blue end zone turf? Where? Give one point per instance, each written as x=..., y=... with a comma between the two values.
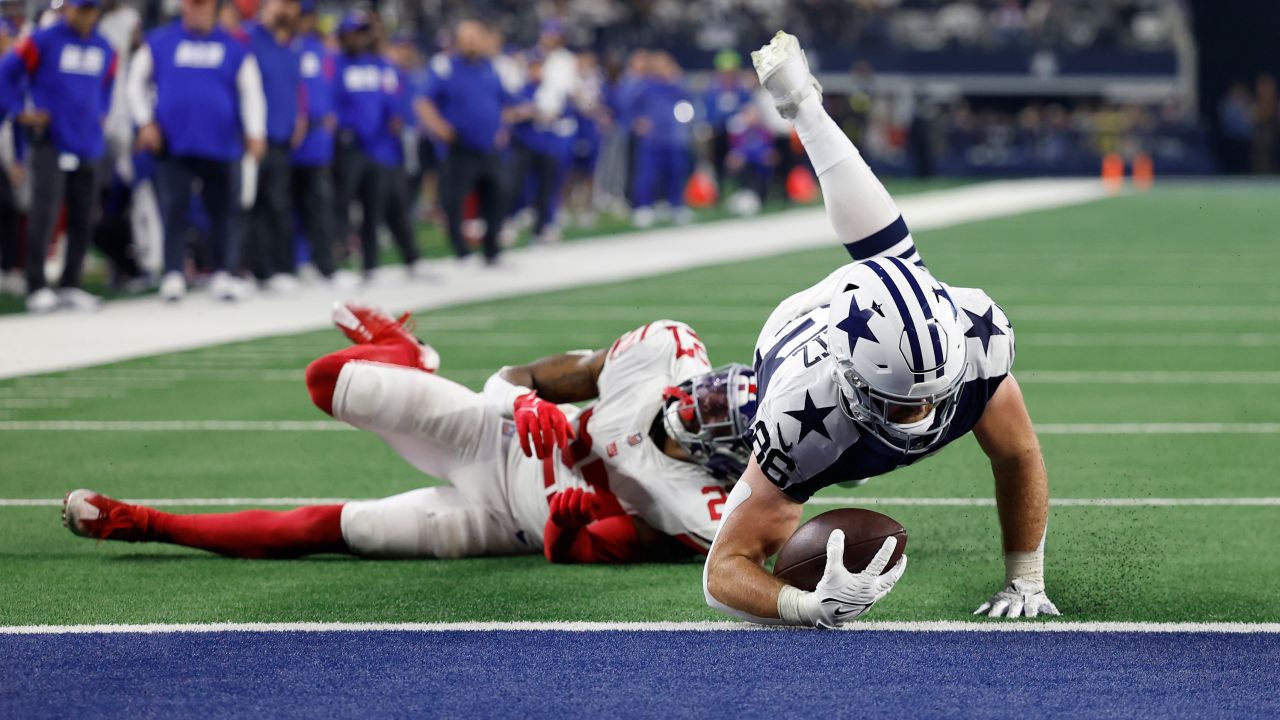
x=639, y=674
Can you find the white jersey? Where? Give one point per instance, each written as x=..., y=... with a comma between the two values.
x=613, y=450
x=804, y=440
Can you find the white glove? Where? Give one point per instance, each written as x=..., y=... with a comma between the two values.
x=841, y=595
x=1021, y=598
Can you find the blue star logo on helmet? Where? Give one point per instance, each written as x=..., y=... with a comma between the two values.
x=855, y=325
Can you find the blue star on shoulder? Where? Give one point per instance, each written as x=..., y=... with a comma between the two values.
x=984, y=327
x=855, y=325
x=812, y=418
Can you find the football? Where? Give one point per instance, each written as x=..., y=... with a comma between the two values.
x=802, y=560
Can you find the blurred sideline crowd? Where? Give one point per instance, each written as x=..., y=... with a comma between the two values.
x=251, y=146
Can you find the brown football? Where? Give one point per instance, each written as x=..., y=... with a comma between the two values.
x=804, y=557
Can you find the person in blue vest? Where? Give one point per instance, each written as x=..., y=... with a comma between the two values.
x=195, y=94
x=464, y=109
x=270, y=246
x=12, y=279
x=391, y=153
x=726, y=95
x=539, y=152
x=364, y=101
x=68, y=69
x=663, y=127
x=312, y=181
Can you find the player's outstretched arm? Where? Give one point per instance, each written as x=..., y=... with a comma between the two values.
x=530, y=395
x=864, y=216
x=758, y=519
x=1022, y=501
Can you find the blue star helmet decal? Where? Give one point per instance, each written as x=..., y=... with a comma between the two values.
x=855, y=325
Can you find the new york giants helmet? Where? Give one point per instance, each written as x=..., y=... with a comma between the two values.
x=897, y=341
x=710, y=415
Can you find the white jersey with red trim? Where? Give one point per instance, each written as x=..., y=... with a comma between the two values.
x=614, y=452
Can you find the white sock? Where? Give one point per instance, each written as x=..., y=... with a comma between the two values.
x=858, y=205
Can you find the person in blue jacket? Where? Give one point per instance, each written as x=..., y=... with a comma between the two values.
x=270, y=246
x=464, y=108
x=365, y=105
x=195, y=94
x=726, y=95
x=390, y=151
x=68, y=70
x=312, y=159
x=12, y=280
x=539, y=154
x=662, y=124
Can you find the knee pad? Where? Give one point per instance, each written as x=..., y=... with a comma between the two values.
x=429, y=522
x=368, y=396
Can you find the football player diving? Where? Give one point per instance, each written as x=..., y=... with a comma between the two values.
x=876, y=367
x=641, y=474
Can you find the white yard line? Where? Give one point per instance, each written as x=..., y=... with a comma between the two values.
x=842, y=501
x=135, y=328
x=955, y=626
x=1210, y=428
x=1149, y=377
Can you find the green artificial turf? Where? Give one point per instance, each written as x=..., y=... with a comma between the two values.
x=1182, y=279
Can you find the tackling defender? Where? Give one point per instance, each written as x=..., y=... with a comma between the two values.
x=640, y=474
x=876, y=367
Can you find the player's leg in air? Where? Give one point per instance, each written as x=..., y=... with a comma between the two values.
x=386, y=384
x=864, y=216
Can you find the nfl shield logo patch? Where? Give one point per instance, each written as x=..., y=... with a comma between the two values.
x=635, y=439
x=612, y=449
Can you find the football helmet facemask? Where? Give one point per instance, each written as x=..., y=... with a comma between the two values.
x=710, y=415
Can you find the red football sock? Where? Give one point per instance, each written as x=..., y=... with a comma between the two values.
x=253, y=533
x=322, y=374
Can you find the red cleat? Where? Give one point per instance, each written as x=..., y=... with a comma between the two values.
x=365, y=325
x=88, y=514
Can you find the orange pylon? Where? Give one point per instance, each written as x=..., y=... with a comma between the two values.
x=1144, y=172
x=1113, y=172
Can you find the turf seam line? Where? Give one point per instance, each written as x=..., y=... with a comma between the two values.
x=821, y=500
x=953, y=626
x=1199, y=428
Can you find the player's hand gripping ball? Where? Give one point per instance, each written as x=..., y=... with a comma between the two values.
x=541, y=426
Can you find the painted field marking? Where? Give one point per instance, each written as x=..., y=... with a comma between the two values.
x=954, y=626
x=820, y=500
x=1149, y=377
x=1259, y=428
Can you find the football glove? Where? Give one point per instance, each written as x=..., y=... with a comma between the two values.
x=1022, y=598
x=576, y=508
x=540, y=425
x=841, y=595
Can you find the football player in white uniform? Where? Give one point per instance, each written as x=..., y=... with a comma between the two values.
x=640, y=474
x=876, y=367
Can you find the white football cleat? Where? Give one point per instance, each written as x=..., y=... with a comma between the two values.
x=42, y=301
x=228, y=288
x=283, y=284
x=77, y=299
x=173, y=287
x=784, y=71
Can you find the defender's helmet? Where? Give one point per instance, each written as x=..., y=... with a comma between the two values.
x=710, y=416
x=897, y=341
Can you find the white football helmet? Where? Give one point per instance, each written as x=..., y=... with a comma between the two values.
x=897, y=341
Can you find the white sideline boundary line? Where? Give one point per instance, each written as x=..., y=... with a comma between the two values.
x=952, y=626
x=135, y=328
x=842, y=501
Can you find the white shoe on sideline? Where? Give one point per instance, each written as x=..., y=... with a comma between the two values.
x=173, y=287
x=683, y=215
x=283, y=284
x=643, y=217
x=79, y=300
x=13, y=284
x=344, y=280
x=222, y=286
x=42, y=301
x=784, y=71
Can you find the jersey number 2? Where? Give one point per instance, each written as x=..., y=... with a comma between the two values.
x=715, y=504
